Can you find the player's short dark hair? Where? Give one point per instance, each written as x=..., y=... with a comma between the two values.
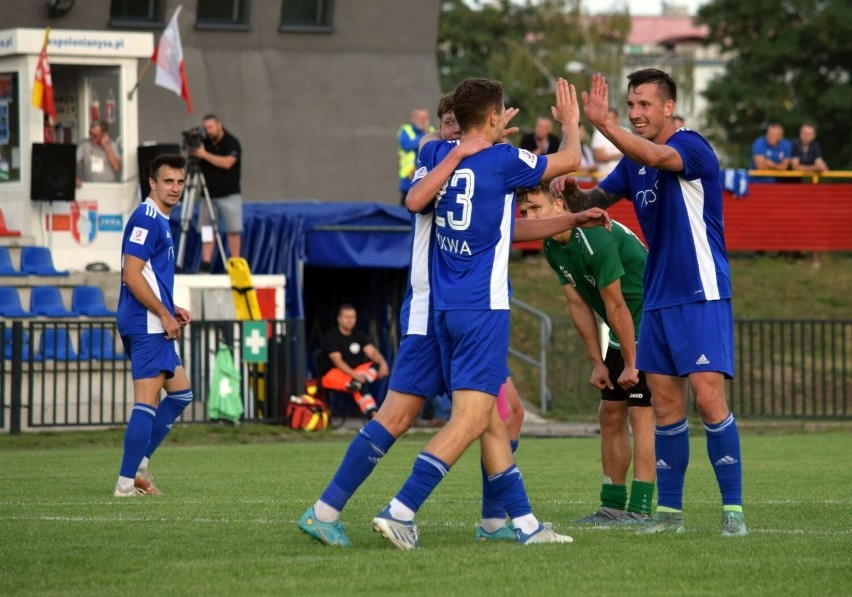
x=663, y=80
x=345, y=307
x=542, y=188
x=474, y=99
x=172, y=160
x=445, y=104
x=210, y=116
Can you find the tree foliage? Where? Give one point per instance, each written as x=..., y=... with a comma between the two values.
x=788, y=62
x=526, y=45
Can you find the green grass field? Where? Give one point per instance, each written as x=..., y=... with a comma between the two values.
x=227, y=524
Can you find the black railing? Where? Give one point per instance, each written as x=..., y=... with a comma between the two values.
x=75, y=374
x=784, y=369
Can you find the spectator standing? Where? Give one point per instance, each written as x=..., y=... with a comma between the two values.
x=97, y=159
x=607, y=155
x=221, y=161
x=541, y=141
x=806, y=155
x=770, y=152
x=408, y=140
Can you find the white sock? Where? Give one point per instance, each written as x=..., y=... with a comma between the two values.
x=144, y=464
x=125, y=483
x=325, y=513
x=492, y=525
x=400, y=511
x=527, y=523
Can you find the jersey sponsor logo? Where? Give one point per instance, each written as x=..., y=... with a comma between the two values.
x=530, y=159
x=452, y=245
x=702, y=360
x=138, y=235
x=646, y=197
x=419, y=173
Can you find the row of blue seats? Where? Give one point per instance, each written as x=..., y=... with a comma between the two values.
x=35, y=261
x=56, y=344
x=47, y=301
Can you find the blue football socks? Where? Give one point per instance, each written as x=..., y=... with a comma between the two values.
x=509, y=488
x=428, y=471
x=364, y=452
x=169, y=410
x=492, y=507
x=723, y=448
x=672, y=446
x=136, y=438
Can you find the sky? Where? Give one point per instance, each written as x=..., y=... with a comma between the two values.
x=642, y=7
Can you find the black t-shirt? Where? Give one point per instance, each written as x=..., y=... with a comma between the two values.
x=222, y=182
x=528, y=142
x=351, y=348
x=809, y=157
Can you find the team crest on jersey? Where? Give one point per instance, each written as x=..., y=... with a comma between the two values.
x=530, y=159
x=84, y=221
x=590, y=279
x=568, y=276
x=138, y=235
x=420, y=173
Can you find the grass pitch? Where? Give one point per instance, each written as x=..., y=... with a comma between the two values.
x=227, y=524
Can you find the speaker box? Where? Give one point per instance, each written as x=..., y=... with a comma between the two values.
x=145, y=154
x=54, y=172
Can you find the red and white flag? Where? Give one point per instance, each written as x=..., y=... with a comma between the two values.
x=168, y=55
x=43, y=84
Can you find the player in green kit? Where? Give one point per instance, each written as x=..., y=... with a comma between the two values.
x=602, y=274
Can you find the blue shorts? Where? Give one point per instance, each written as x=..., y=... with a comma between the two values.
x=417, y=369
x=150, y=355
x=689, y=338
x=474, y=348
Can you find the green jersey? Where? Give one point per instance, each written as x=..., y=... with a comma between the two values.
x=593, y=259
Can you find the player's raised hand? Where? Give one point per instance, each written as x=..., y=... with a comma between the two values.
x=596, y=101
x=508, y=115
x=561, y=184
x=566, y=111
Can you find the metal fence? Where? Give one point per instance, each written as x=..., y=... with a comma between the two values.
x=784, y=369
x=59, y=374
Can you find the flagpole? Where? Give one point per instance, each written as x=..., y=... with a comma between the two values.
x=141, y=76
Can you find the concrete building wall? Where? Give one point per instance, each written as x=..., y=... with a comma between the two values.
x=316, y=113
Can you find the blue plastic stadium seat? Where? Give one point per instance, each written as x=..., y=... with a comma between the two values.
x=10, y=303
x=55, y=343
x=6, y=267
x=47, y=300
x=38, y=261
x=89, y=300
x=99, y=343
x=7, y=344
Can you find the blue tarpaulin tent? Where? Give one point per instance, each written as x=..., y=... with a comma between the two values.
x=330, y=253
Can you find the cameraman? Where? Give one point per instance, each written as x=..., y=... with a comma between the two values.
x=219, y=155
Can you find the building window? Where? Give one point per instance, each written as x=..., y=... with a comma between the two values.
x=306, y=15
x=136, y=13
x=222, y=14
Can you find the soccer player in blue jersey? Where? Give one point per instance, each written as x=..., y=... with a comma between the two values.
x=686, y=338
x=149, y=324
x=474, y=181
x=417, y=375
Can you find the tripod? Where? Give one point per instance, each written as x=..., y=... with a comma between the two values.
x=195, y=183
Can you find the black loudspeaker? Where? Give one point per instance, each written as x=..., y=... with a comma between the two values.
x=54, y=172
x=145, y=154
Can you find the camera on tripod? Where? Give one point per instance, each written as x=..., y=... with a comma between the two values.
x=193, y=137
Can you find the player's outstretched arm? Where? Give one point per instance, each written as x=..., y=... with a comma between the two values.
x=567, y=113
x=425, y=186
x=578, y=199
